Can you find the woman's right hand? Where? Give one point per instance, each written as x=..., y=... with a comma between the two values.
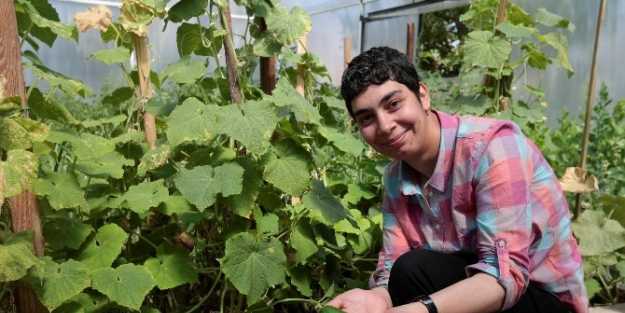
x=376, y=300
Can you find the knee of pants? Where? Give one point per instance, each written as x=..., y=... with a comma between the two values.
x=411, y=262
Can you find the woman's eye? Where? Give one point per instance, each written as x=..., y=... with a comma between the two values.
x=365, y=120
x=394, y=105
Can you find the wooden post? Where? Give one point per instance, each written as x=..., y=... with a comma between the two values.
x=347, y=51
x=267, y=67
x=24, y=210
x=410, y=41
x=142, y=52
x=589, y=97
x=302, y=44
x=231, y=56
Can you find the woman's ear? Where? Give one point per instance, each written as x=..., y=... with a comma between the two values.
x=424, y=96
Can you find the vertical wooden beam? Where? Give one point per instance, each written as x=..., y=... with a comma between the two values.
x=589, y=97
x=410, y=41
x=347, y=51
x=302, y=45
x=142, y=52
x=231, y=56
x=267, y=67
x=24, y=210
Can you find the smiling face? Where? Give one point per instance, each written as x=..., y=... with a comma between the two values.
x=395, y=123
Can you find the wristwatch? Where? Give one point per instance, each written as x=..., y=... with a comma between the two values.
x=427, y=301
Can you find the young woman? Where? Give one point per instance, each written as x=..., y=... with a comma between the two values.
x=474, y=217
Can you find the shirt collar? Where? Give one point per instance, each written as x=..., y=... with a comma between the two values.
x=409, y=178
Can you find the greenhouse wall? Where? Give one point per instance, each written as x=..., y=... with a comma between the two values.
x=334, y=20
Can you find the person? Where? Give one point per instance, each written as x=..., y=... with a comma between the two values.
x=474, y=219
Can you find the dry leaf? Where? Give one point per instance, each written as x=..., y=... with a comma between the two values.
x=96, y=17
x=577, y=180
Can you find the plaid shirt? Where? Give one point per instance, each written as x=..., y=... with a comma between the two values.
x=492, y=193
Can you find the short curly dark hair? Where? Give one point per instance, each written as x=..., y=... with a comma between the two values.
x=376, y=66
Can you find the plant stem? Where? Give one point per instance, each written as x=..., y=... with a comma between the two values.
x=223, y=296
x=302, y=300
x=210, y=292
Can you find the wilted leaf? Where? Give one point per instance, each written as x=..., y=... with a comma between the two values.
x=19, y=171
x=578, y=180
x=16, y=257
x=99, y=17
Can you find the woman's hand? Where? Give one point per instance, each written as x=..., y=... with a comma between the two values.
x=363, y=301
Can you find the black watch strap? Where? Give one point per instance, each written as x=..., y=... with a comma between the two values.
x=429, y=304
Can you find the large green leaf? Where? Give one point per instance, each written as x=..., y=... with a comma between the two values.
x=112, y=56
x=325, y=207
x=19, y=133
x=288, y=169
x=300, y=278
x=192, y=121
x=245, y=202
x=252, y=127
x=140, y=198
x=344, y=141
x=253, y=265
x=126, y=285
x=84, y=303
x=597, y=234
x=58, y=80
x=516, y=31
x=560, y=44
x=287, y=26
x=56, y=283
x=201, y=184
x=553, y=20
x=45, y=18
x=186, y=9
x=66, y=232
x=171, y=268
x=284, y=95
x=44, y=109
x=16, y=257
x=62, y=191
x=302, y=240
x=19, y=170
x=185, y=71
x=104, y=248
x=483, y=48
x=193, y=38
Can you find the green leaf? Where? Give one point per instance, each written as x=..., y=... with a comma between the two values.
x=19, y=172
x=56, y=283
x=58, y=80
x=245, y=202
x=104, y=248
x=176, y=205
x=268, y=224
x=593, y=287
x=284, y=95
x=300, y=278
x=186, y=9
x=19, y=133
x=484, y=49
x=560, y=44
x=112, y=56
x=140, y=198
x=287, y=26
x=192, y=121
x=516, y=31
x=553, y=20
x=253, y=265
x=66, y=232
x=536, y=57
x=84, y=303
x=345, y=142
x=126, y=285
x=171, y=268
x=201, y=184
x=185, y=71
x=324, y=205
x=266, y=46
x=48, y=19
x=114, y=120
x=104, y=165
x=16, y=257
x=153, y=159
x=302, y=240
x=62, y=191
x=597, y=234
x=288, y=168
x=44, y=109
x=330, y=309
x=357, y=192
x=193, y=38
x=118, y=96
x=252, y=127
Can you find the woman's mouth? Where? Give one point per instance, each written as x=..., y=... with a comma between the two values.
x=395, y=142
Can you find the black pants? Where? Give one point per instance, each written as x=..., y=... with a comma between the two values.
x=423, y=272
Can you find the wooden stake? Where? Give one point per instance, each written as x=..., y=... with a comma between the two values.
x=302, y=44
x=410, y=41
x=589, y=97
x=347, y=51
x=267, y=67
x=142, y=52
x=231, y=56
x=24, y=209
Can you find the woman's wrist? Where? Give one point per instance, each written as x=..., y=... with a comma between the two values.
x=383, y=293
